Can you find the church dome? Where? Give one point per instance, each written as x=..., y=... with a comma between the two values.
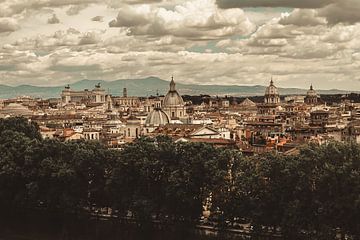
x=311, y=92
x=157, y=117
x=271, y=89
x=173, y=98
x=16, y=109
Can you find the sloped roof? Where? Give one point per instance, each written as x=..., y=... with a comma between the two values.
x=247, y=103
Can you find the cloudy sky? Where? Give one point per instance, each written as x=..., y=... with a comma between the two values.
x=243, y=42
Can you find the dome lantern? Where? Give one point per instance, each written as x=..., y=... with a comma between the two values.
x=172, y=85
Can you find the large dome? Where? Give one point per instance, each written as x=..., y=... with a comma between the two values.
x=173, y=98
x=16, y=109
x=271, y=89
x=157, y=117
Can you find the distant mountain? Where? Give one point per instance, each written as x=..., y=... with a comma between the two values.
x=149, y=86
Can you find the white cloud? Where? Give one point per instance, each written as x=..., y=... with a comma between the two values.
x=75, y=9
x=198, y=19
x=13, y=7
x=188, y=67
x=303, y=17
x=195, y=40
x=71, y=38
x=90, y=38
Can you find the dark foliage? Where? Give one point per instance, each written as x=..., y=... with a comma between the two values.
x=314, y=195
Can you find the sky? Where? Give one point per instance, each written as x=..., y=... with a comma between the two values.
x=241, y=42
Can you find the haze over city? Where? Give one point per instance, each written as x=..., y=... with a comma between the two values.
x=242, y=42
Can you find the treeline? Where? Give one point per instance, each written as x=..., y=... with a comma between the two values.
x=313, y=195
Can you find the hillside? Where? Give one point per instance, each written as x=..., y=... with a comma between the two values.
x=149, y=86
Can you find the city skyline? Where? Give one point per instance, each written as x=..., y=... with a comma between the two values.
x=227, y=42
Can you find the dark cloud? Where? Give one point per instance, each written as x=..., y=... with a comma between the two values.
x=335, y=11
x=53, y=20
x=344, y=11
x=274, y=3
x=8, y=25
x=97, y=19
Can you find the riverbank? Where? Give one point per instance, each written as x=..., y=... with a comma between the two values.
x=40, y=226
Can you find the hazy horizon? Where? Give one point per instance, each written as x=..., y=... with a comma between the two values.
x=179, y=83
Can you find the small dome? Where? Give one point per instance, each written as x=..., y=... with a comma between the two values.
x=157, y=117
x=15, y=109
x=271, y=90
x=113, y=122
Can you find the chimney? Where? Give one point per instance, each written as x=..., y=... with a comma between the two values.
x=124, y=92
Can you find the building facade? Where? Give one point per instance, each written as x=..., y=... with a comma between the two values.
x=97, y=95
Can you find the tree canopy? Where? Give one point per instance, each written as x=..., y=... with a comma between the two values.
x=315, y=194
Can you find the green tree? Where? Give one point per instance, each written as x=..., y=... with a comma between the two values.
x=20, y=124
x=13, y=169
